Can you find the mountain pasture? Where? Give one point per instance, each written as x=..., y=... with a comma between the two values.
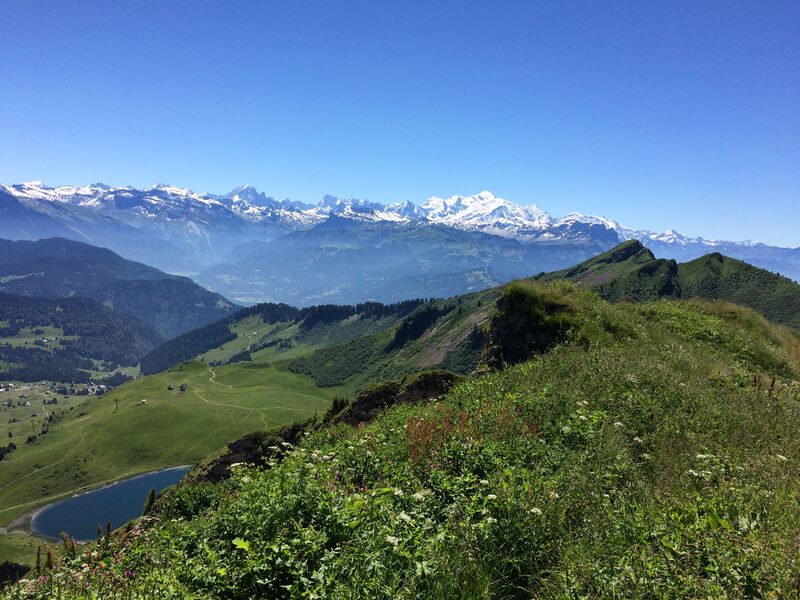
x=118, y=435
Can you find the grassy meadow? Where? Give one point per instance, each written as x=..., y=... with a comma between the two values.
x=142, y=426
x=20, y=548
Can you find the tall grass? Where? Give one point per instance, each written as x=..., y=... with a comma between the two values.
x=638, y=457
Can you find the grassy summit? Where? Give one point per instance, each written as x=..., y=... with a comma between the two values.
x=719, y=277
x=643, y=450
x=631, y=272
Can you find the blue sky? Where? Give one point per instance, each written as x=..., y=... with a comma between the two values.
x=681, y=115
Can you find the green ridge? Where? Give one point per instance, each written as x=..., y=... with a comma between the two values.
x=631, y=272
x=652, y=451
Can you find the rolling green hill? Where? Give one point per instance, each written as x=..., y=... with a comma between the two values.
x=635, y=450
x=265, y=366
x=631, y=272
x=118, y=435
x=628, y=271
x=719, y=277
x=57, y=268
x=67, y=340
x=276, y=325
x=273, y=365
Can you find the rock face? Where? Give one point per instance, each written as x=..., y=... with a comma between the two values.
x=11, y=572
x=410, y=390
x=255, y=449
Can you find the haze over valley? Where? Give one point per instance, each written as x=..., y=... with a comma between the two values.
x=251, y=248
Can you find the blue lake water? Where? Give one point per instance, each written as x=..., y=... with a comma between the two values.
x=120, y=502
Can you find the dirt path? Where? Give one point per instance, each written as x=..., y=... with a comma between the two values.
x=213, y=379
x=250, y=337
x=236, y=406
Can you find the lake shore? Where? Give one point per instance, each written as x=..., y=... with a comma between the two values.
x=50, y=520
x=24, y=522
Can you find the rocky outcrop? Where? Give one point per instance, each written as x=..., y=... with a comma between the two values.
x=11, y=572
x=412, y=389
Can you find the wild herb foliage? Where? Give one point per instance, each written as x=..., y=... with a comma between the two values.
x=655, y=452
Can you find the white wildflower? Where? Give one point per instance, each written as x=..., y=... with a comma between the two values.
x=392, y=540
x=782, y=457
x=491, y=497
x=537, y=511
x=405, y=517
x=582, y=418
x=484, y=482
x=491, y=520
x=618, y=424
x=398, y=492
x=553, y=495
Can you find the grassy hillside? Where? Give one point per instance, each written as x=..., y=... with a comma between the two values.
x=268, y=325
x=56, y=268
x=240, y=383
x=440, y=334
x=67, y=340
x=719, y=277
x=631, y=272
x=649, y=450
x=116, y=435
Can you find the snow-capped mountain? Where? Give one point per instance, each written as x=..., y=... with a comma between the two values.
x=485, y=212
x=354, y=208
x=166, y=206
x=179, y=230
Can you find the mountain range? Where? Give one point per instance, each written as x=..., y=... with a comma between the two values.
x=58, y=268
x=252, y=247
